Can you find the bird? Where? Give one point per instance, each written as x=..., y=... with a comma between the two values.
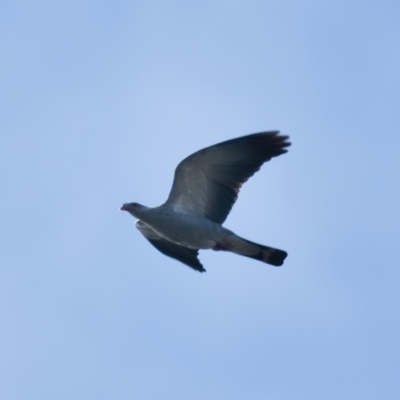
x=205, y=187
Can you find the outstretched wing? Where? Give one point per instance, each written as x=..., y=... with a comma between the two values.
x=208, y=181
x=180, y=253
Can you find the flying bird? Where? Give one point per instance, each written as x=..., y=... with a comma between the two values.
x=205, y=187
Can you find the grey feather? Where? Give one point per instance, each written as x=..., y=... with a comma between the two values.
x=180, y=253
x=208, y=181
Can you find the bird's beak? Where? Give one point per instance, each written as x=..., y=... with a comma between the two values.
x=123, y=207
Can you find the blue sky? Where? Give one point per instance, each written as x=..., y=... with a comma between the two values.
x=99, y=101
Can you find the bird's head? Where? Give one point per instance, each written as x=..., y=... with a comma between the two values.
x=133, y=209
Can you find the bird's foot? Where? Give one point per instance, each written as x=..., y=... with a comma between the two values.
x=223, y=245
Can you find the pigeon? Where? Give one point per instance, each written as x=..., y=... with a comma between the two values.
x=205, y=187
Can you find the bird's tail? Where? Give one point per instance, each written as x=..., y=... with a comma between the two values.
x=259, y=252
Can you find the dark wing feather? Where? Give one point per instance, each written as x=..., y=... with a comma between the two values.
x=180, y=253
x=208, y=181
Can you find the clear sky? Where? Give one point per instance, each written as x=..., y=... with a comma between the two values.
x=100, y=100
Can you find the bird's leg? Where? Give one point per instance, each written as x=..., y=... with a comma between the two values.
x=223, y=245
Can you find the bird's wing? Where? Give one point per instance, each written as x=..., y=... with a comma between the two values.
x=208, y=181
x=180, y=253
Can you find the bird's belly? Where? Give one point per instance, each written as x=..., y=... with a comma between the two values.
x=195, y=233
